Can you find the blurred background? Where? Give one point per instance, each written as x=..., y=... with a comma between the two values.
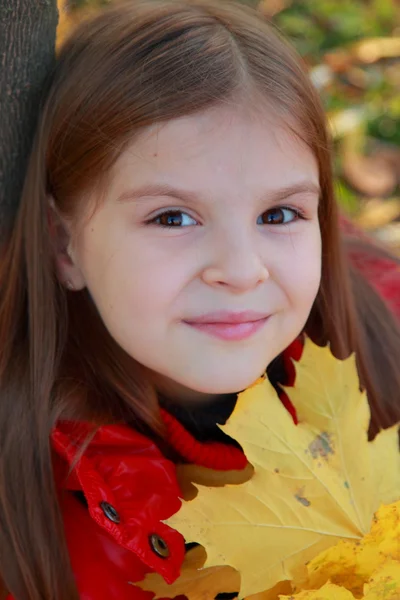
x=352, y=49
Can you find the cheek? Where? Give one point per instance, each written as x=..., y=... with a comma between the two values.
x=299, y=267
x=141, y=283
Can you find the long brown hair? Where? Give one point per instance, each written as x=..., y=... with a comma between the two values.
x=135, y=64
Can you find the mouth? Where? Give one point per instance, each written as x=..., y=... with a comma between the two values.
x=229, y=326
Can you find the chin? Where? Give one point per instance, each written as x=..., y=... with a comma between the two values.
x=228, y=385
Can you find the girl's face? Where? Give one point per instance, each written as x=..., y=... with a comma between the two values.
x=211, y=217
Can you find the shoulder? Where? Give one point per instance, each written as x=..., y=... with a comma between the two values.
x=114, y=498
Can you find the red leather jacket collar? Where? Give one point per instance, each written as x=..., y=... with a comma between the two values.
x=126, y=471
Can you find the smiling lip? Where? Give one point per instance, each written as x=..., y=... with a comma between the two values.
x=234, y=326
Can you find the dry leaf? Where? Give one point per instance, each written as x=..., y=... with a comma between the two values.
x=346, y=121
x=188, y=475
x=352, y=564
x=383, y=585
x=371, y=175
x=314, y=483
x=377, y=213
x=195, y=582
x=373, y=49
x=328, y=592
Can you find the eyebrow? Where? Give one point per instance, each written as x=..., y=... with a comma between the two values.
x=302, y=187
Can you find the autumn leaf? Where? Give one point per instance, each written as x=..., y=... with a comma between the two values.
x=327, y=592
x=352, y=564
x=195, y=582
x=314, y=484
x=383, y=585
x=198, y=583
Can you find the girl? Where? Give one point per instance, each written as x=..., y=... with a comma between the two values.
x=177, y=233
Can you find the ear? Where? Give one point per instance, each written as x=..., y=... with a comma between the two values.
x=68, y=271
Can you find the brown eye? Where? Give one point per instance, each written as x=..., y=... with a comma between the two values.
x=278, y=216
x=173, y=218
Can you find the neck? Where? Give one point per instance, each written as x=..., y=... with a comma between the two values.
x=174, y=393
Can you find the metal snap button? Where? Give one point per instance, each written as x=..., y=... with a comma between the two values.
x=159, y=546
x=110, y=512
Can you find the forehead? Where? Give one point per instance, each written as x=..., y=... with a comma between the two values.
x=220, y=146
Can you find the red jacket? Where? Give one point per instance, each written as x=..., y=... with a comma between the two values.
x=130, y=488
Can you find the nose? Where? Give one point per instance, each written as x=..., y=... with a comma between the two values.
x=235, y=264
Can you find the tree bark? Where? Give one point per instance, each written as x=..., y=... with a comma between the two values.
x=27, y=54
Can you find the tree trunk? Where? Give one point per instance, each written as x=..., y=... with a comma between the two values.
x=27, y=52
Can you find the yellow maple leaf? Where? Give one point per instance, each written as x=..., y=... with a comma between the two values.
x=314, y=484
x=328, y=592
x=352, y=564
x=383, y=585
x=195, y=582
